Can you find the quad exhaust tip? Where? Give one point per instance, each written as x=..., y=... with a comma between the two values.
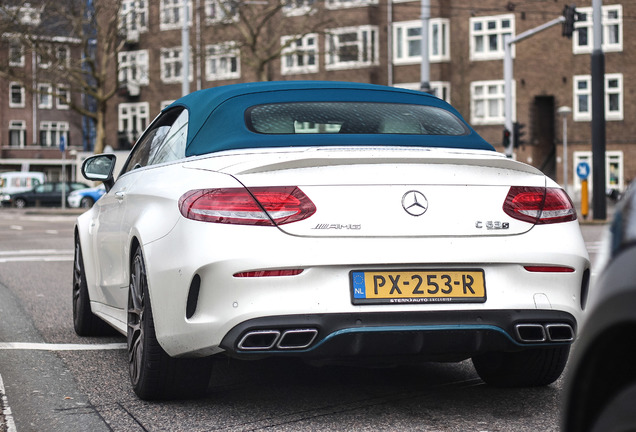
x=290, y=339
x=537, y=333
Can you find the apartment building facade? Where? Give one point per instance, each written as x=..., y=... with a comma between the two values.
x=378, y=41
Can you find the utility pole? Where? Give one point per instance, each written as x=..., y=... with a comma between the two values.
x=425, y=69
x=599, y=205
x=185, y=50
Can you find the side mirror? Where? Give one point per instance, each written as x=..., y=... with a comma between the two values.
x=100, y=168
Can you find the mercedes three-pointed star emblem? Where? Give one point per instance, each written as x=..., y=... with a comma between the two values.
x=414, y=203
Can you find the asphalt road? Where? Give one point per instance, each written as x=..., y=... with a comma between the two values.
x=53, y=380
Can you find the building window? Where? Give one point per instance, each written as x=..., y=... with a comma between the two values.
x=613, y=97
x=17, y=95
x=612, y=35
x=171, y=12
x=17, y=133
x=44, y=56
x=220, y=11
x=16, y=54
x=63, y=97
x=407, y=41
x=352, y=47
x=45, y=96
x=440, y=89
x=63, y=56
x=487, y=102
x=339, y=4
x=298, y=7
x=133, y=16
x=133, y=119
x=487, y=36
x=51, y=133
x=222, y=61
x=133, y=67
x=172, y=66
x=300, y=54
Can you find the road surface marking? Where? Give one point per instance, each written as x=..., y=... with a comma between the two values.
x=6, y=409
x=60, y=347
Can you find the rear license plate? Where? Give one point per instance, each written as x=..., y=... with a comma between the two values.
x=418, y=286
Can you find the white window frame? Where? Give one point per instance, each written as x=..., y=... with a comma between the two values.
x=610, y=91
x=298, y=7
x=63, y=97
x=345, y=4
x=173, y=64
x=438, y=41
x=16, y=51
x=135, y=115
x=133, y=67
x=612, y=21
x=52, y=132
x=133, y=16
x=487, y=106
x=171, y=14
x=45, y=63
x=490, y=27
x=218, y=64
x=299, y=52
x=440, y=89
x=22, y=102
x=367, y=55
x=65, y=60
x=45, y=96
x=613, y=159
x=215, y=11
x=20, y=127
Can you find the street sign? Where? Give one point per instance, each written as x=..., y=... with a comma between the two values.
x=62, y=144
x=583, y=170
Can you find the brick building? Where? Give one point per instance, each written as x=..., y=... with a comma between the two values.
x=378, y=41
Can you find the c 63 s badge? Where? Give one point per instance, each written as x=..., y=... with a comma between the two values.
x=492, y=225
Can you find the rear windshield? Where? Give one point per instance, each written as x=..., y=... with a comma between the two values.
x=352, y=118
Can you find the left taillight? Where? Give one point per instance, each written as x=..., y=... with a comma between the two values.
x=539, y=205
x=275, y=205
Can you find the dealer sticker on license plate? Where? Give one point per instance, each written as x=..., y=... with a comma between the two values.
x=418, y=286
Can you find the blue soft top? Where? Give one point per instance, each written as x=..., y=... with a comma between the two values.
x=217, y=116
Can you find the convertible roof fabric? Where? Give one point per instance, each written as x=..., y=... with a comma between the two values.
x=217, y=116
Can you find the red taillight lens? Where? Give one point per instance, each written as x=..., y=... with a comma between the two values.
x=539, y=205
x=549, y=269
x=256, y=206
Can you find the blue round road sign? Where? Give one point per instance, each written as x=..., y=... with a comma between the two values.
x=583, y=170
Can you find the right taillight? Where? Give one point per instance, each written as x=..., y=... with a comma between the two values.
x=539, y=205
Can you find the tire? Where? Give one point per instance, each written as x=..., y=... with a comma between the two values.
x=84, y=321
x=528, y=368
x=618, y=415
x=87, y=202
x=153, y=373
x=20, y=203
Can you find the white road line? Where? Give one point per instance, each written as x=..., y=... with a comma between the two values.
x=36, y=255
x=6, y=409
x=60, y=347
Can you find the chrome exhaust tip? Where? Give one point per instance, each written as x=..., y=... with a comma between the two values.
x=560, y=332
x=259, y=340
x=530, y=333
x=297, y=339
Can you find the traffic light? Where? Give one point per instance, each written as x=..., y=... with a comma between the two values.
x=569, y=12
x=506, y=138
x=518, y=133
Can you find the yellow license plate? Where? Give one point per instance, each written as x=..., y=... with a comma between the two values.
x=418, y=286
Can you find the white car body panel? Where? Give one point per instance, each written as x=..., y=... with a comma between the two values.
x=465, y=190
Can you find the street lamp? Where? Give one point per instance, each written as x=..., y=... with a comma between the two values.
x=563, y=112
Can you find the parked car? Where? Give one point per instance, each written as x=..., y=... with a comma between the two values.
x=46, y=194
x=85, y=198
x=328, y=221
x=18, y=181
x=600, y=393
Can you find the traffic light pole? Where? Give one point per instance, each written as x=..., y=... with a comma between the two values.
x=599, y=205
x=508, y=42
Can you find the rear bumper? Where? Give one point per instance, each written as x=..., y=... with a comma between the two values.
x=442, y=336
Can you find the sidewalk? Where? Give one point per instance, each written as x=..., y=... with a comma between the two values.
x=589, y=220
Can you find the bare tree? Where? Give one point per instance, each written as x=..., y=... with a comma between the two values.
x=75, y=43
x=266, y=30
